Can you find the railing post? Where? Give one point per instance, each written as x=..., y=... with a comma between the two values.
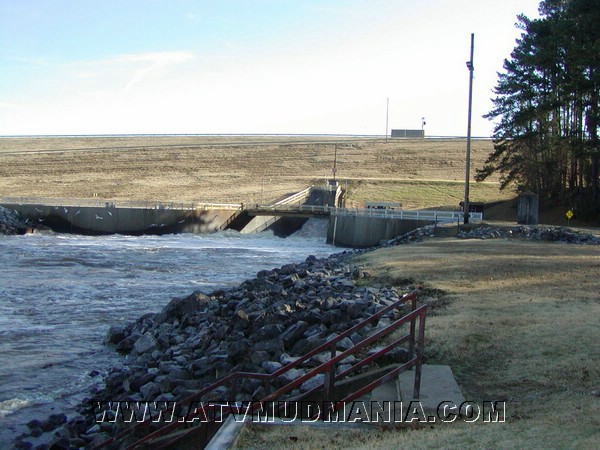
x=419, y=362
x=234, y=388
x=411, y=342
x=330, y=378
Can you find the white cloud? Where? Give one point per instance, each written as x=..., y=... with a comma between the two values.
x=154, y=61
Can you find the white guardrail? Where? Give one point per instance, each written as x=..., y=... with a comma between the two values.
x=134, y=204
x=436, y=216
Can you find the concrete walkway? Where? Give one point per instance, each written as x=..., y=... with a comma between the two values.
x=438, y=387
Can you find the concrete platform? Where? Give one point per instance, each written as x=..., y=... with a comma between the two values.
x=438, y=386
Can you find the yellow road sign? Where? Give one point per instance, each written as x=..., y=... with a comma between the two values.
x=569, y=214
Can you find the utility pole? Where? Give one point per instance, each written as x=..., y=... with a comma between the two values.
x=468, y=167
x=387, y=114
x=335, y=161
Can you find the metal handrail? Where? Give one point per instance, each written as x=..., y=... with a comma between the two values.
x=299, y=196
x=97, y=202
x=434, y=215
x=416, y=344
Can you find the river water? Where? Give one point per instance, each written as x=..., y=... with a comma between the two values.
x=60, y=293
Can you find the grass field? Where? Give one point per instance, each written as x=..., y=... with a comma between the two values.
x=422, y=173
x=518, y=322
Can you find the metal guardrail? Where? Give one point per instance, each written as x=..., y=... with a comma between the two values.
x=436, y=216
x=298, y=197
x=108, y=203
x=415, y=339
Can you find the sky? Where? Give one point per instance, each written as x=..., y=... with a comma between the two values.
x=71, y=67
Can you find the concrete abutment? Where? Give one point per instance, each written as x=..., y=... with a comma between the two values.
x=364, y=231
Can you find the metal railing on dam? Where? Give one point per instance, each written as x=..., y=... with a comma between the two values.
x=433, y=215
x=132, y=204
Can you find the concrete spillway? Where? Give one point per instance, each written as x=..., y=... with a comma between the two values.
x=109, y=219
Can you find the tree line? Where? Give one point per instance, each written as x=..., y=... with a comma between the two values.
x=547, y=107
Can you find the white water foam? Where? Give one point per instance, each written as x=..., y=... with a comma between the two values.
x=9, y=406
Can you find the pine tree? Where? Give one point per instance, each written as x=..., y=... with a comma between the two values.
x=547, y=105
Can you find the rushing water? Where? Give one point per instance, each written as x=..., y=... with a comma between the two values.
x=60, y=293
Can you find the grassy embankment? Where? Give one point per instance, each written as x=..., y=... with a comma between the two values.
x=417, y=173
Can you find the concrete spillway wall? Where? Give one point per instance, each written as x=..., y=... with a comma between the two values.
x=110, y=219
x=364, y=231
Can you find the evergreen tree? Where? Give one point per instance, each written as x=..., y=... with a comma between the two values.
x=547, y=105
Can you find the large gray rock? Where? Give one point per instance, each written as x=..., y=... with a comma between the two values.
x=294, y=332
x=115, y=334
x=178, y=307
x=146, y=343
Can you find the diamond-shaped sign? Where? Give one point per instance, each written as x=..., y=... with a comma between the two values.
x=569, y=214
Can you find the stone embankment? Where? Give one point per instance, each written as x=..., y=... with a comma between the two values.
x=530, y=233
x=257, y=327
x=11, y=222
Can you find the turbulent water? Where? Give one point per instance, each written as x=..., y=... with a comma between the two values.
x=60, y=293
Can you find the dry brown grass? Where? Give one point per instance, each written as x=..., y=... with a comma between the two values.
x=417, y=173
x=521, y=324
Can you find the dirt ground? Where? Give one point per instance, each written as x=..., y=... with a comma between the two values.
x=235, y=169
x=519, y=321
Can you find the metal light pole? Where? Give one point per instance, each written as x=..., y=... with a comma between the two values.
x=468, y=168
x=387, y=114
x=335, y=161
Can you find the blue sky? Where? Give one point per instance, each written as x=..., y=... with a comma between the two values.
x=261, y=66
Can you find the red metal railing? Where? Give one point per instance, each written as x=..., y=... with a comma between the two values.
x=415, y=346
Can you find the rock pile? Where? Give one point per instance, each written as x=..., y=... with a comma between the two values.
x=11, y=222
x=257, y=327
x=532, y=233
x=413, y=236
